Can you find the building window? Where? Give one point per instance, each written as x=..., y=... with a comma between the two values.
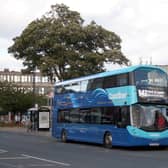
x=37, y=79
x=44, y=79
x=4, y=77
x=23, y=78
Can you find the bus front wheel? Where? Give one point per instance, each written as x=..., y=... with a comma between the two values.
x=64, y=136
x=108, y=140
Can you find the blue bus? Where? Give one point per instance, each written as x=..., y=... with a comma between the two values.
x=125, y=107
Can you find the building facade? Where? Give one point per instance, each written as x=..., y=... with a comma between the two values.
x=32, y=82
x=29, y=82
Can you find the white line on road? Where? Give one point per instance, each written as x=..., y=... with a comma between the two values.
x=46, y=160
x=3, y=151
x=41, y=165
x=13, y=158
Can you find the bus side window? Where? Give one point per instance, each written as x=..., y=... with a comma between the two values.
x=122, y=79
x=108, y=115
x=110, y=82
x=95, y=115
x=83, y=86
x=75, y=87
x=58, y=90
x=84, y=116
x=66, y=89
x=166, y=112
x=123, y=117
x=63, y=116
x=117, y=115
x=95, y=83
x=89, y=84
x=60, y=116
x=74, y=116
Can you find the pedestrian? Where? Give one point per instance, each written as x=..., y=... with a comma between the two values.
x=28, y=125
x=161, y=121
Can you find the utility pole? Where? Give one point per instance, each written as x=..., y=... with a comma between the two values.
x=34, y=113
x=34, y=88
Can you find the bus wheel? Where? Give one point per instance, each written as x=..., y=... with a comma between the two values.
x=108, y=140
x=64, y=136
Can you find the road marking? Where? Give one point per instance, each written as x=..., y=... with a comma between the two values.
x=3, y=151
x=13, y=158
x=46, y=160
x=41, y=165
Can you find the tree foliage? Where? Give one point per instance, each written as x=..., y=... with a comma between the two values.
x=14, y=99
x=61, y=45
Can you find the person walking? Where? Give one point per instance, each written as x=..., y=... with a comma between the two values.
x=28, y=125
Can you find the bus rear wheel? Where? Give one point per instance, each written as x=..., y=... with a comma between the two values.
x=64, y=136
x=108, y=140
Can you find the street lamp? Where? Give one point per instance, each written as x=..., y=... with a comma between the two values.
x=34, y=88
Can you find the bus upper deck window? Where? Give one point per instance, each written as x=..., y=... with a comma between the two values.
x=58, y=89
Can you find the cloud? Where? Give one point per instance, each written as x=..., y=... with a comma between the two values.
x=142, y=25
x=94, y=8
x=10, y=63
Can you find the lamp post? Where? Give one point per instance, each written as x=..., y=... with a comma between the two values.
x=34, y=114
x=34, y=86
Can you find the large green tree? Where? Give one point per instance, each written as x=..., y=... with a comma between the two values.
x=61, y=45
x=15, y=99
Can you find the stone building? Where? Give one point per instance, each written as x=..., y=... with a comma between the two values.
x=36, y=81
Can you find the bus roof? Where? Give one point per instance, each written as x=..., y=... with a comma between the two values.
x=107, y=73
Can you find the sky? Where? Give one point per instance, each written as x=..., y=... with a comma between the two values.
x=141, y=24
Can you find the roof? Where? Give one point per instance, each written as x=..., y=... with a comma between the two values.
x=108, y=73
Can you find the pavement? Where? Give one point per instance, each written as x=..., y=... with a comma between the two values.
x=23, y=130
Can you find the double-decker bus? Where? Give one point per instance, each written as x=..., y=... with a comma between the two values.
x=126, y=107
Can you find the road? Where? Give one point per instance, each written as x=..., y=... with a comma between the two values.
x=30, y=151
